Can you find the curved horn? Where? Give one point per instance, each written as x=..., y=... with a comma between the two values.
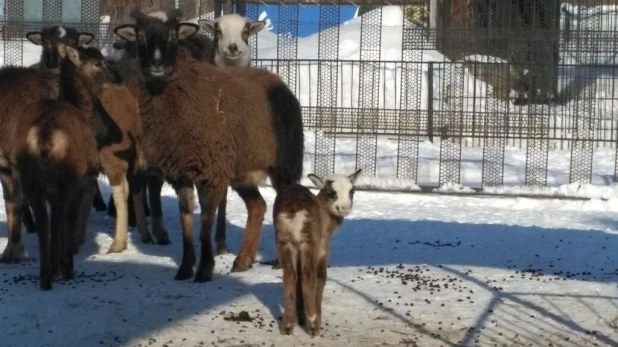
x=138, y=15
x=174, y=14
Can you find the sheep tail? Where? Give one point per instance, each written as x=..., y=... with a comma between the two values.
x=288, y=124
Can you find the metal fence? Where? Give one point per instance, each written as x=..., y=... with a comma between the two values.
x=483, y=93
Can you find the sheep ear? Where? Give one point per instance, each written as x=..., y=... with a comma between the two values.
x=35, y=37
x=207, y=25
x=62, y=50
x=317, y=181
x=186, y=30
x=127, y=32
x=73, y=55
x=85, y=39
x=256, y=27
x=354, y=176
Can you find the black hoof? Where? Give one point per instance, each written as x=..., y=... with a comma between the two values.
x=276, y=265
x=202, y=278
x=163, y=242
x=46, y=284
x=183, y=274
x=148, y=240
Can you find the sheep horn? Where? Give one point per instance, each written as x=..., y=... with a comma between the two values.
x=138, y=15
x=174, y=14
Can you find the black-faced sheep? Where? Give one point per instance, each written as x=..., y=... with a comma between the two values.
x=212, y=128
x=304, y=226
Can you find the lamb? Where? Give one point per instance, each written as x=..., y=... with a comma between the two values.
x=212, y=128
x=304, y=226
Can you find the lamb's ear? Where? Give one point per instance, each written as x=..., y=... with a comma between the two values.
x=207, y=25
x=186, y=30
x=35, y=37
x=256, y=26
x=354, y=176
x=73, y=55
x=127, y=32
x=85, y=39
x=317, y=181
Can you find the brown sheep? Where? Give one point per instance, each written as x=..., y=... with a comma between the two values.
x=20, y=88
x=211, y=128
x=304, y=226
x=48, y=39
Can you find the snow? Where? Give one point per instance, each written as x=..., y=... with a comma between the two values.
x=518, y=270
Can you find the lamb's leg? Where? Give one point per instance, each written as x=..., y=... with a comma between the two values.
x=137, y=185
x=155, y=183
x=256, y=207
x=308, y=272
x=209, y=199
x=220, y=233
x=98, y=203
x=186, y=203
x=42, y=223
x=28, y=220
x=288, y=255
x=11, y=189
x=322, y=265
x=120, y=190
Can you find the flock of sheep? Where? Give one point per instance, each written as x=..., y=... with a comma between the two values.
x=176, y=107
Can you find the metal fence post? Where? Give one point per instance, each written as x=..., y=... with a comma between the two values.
x=430, y=101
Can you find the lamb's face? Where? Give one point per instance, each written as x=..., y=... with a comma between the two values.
x=231, y=38
x=49, y=38
x=338, y=191
x=156, y=37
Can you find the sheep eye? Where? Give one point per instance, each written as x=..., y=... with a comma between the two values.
x=98, y=64
x=218, y=32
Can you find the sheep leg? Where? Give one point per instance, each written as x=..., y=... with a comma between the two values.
x=28, y=220
x=137, y=186
x=155, y=184
x=83, y=202
x=98, y=203
x=308, y=267
x=11, y=190
x=209, y=199
x=256, y=207
x=120, y=190
x=288, y=255
x=66, y=229
x=186, y=203
x=220, y=233
x=42, y=223
x=322, y=265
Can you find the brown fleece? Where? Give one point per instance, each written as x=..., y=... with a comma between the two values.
x=208, y=124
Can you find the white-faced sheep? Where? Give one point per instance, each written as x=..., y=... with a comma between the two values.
x=212, y=128
x=231, y=38
x=304, y=226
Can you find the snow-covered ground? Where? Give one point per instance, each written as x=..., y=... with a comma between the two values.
x=406, y=270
